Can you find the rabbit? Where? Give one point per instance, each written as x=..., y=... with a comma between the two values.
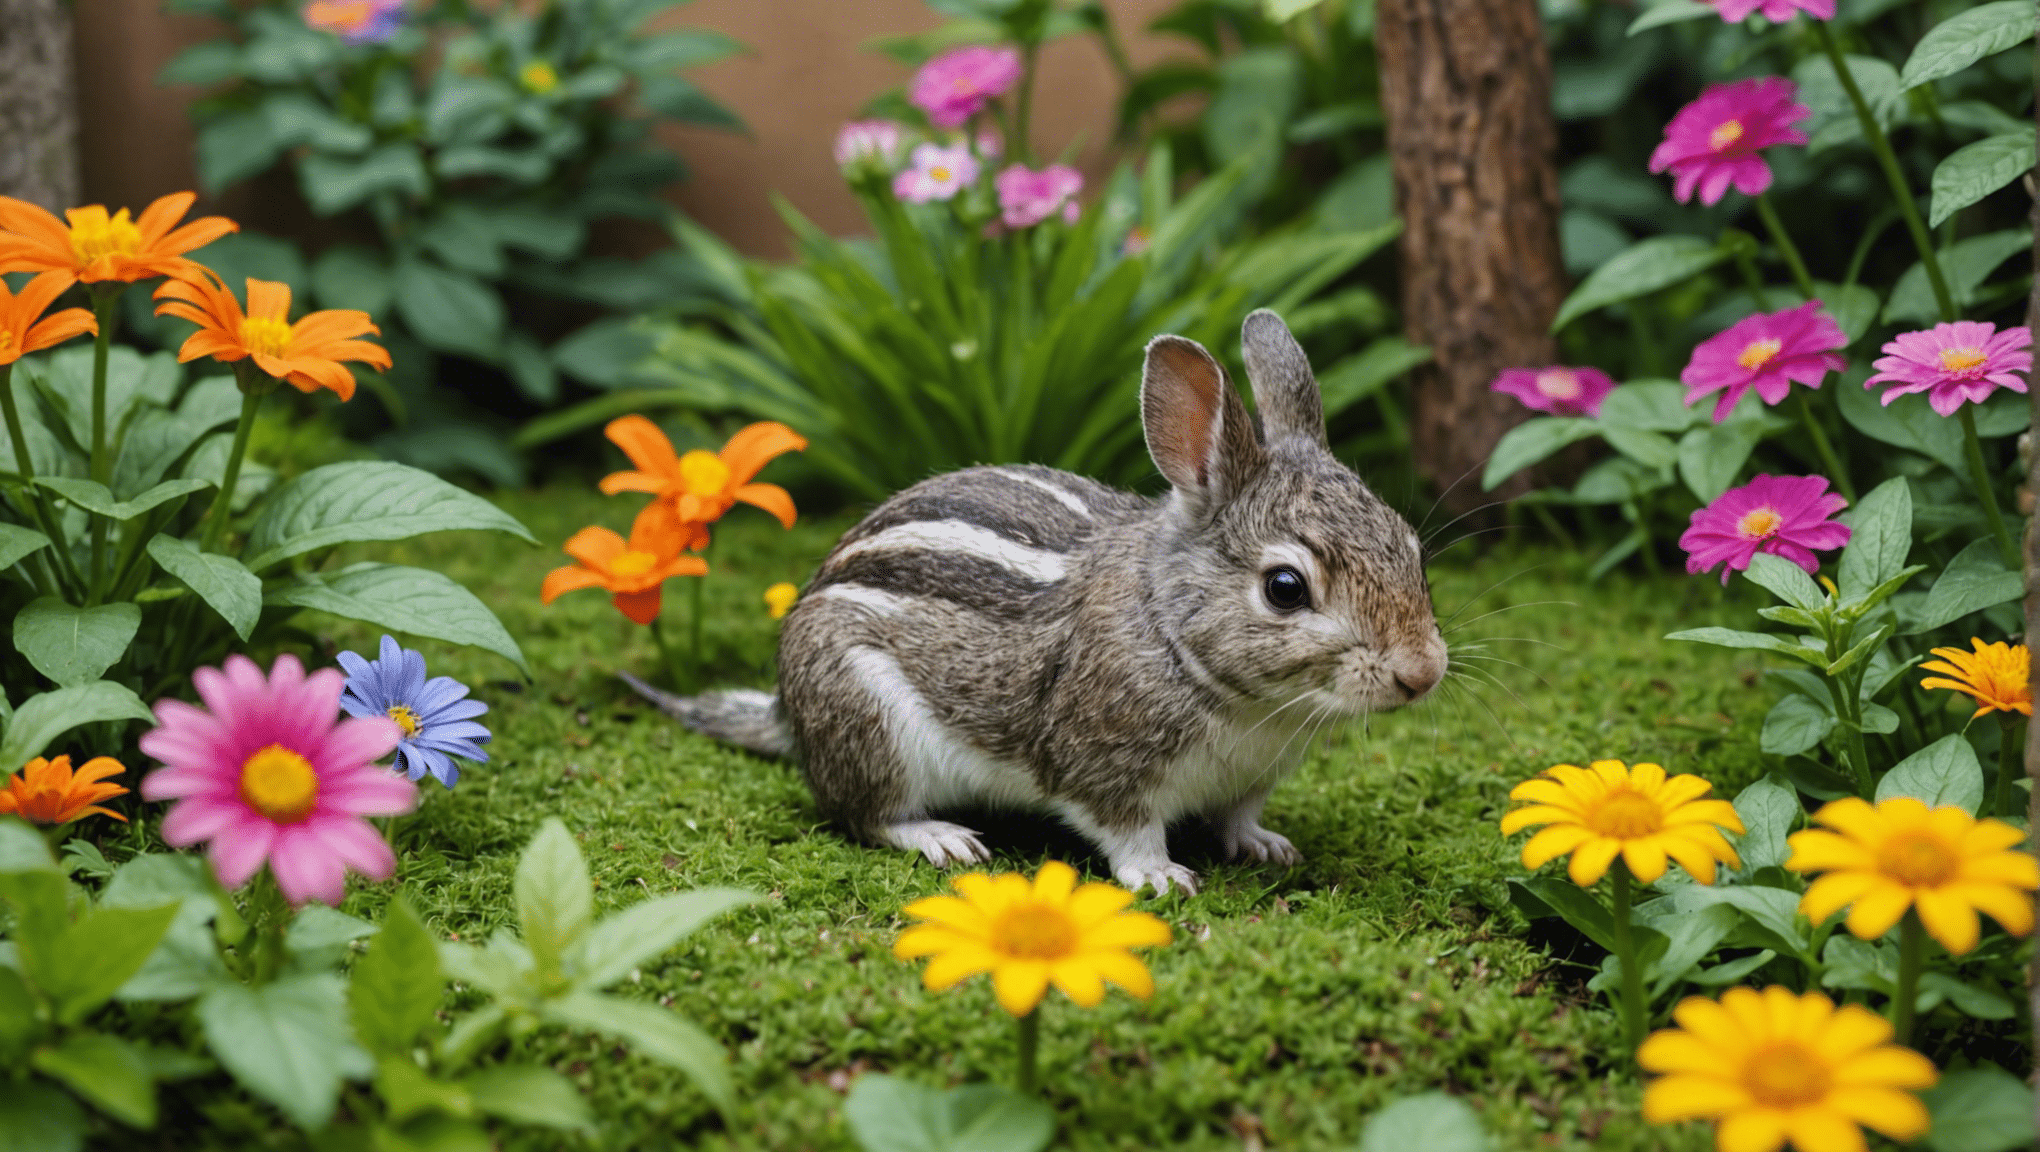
x=1018, y=636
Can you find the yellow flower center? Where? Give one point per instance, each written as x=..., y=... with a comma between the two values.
x=940, y=174
x=1034, y=932
x=779, y=599
x=1724, y=134
x=1625, y=815
x=632, y=563
x=1760, y=523
x=95, y=234
x=704, y=473
x=1559, y=384
x=1787, y=1075
x=265, y=337
x=405, y=718
x=1759, y=353
x=280, y=784
x=1962, y=359
x=1918, y=859
x=539, y=77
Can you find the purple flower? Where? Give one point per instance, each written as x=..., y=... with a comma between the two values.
x=1767, y=351
x=937, y=173
x=1558, y=390
x=437, y=718
x=1027, y=197
x=876, y=140
x=355, y=21
x=1955, y=363
x=1787, y=516
x=1776, y=11
x=1715, y=140
x=954, y=86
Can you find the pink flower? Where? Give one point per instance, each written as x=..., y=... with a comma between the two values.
x=1714, y=141
x=1027, y=197
x=1787, y=516
x=1557, y=390
x=272, y=774
x=1776, y=11
x=1955, y=363
x=877, y=140
x=954, y=86
x=1767, y=351
x=937, y=173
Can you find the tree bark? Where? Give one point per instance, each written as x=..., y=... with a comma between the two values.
x=1466, y=85
x=38, y=104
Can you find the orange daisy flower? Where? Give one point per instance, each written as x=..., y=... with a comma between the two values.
x=95, y=246
x=693, y=491
x=1995, y=675
x=20, y=330
x=48, y=792
x=632, y=572
x=307, y=353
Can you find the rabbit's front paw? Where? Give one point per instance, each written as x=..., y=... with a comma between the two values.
x=1158, y=876
x=943, y=843
x=1257, y=843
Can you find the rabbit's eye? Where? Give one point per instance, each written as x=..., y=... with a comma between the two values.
x=1285, y=589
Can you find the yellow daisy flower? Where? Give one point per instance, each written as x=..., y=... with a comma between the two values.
x=1996, y=675
x=779, y=599
x=1944, y=862
x=1772, y=1066
x=1596, y=813
x=1031, y=935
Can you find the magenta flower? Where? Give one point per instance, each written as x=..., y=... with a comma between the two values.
x=954, y=86
x=271, y=774
x=1767, y=351
x=1955, y=363
x=937, y=173
x=1714, y=141
x=355, y=21
x=1027, y=197
x=1776, y=11
x=1787, y=516
x=1558, y=390
x=877, y=140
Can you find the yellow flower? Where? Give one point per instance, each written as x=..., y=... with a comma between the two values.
x=779, y=599
x=1899, y=855
x=1997, y=675
x=1637, y=812
x=1030, y=935
x=539, y=78
x=1771, y=1066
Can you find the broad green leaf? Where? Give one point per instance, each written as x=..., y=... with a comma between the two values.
x=1650, y=404
x=95, y=498
x=1879, y=541
x=1432, y=1122
x=1367, y=371
x=1711, y=457
x=1768, y=810
x=96, y=954
x=449, y=311
x=40, y=719
x=408, y=1090
x=504, y=968
x=555, y=897
x=1761, y=641
x=1976, y=170
x=1982, y=1003
x=1965, y=264
x=107, y=1072
x=1650, y=449
x=523, y=1094
x=286, y=1041
x=333, y=184
x=298, y=119
x=203, y=64
x=1649, y=265
x=347, y=276
x=1571, y=903
x=72, y=645
x=65, y=383
x=320, y=937
x=1974, y=580
x=1853, y=308
x=1730, y=972
x=1853, y=963
x=187, y=960
x=18, y=1010
x=36, y=1117
x=1943, y=773
x=1980, y=1109
x=1907, y=422
x=1785, y=580
x=1671, y=12
x=396, y=985
x=1532, y=441
x=1965, y=38
x=652, y=1032
x=220, y=580
x=22, y=848
x=1795, y=725
x=17, y=542
x=1773, y=913
x=1689, y=937
x=889, y=1114
x=366, y=500
x=1864, y=647
x=157, y=438
x=1834, y=115
x=411, y=600
x=644, y=931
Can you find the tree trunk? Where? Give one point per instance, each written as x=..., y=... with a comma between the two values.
x=1466, y=85
x=38, y=104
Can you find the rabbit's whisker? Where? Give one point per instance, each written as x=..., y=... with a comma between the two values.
x=1489, y=590
x=1511, y=608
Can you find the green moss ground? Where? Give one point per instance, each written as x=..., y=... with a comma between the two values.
x=1292, y=1005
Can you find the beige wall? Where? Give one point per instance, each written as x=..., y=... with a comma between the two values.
x=808, y=72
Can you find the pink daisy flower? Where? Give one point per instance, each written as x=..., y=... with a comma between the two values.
x=1766, y=351
x=1558, y=390
x=1955, y=363
x=1027, y=197
x=271, y=774
x=1714, y=141
x=1776, y=11
x=877, y=140
x=954, y=86
x=937, y=173
x=1787, y=516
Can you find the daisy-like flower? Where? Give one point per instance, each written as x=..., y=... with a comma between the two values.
x=1772, y=1066
x=1031, y=935
x=1767, y=352
x=938, y=172
x=1787, y=516
x=1558, y=390
x=1955, y=364
x=24, y=328
x=779, y=600
x=1997, y=676
x=693, y=491
x=876, y=141
x=1717, y=139
x=269, y=773
x=437, y=717
x=1776, y=11
x=1878, y=862
x=632, y=571
x=94, y=246
x=1027, y=197
x=956, y=85
x=48, y=792
x=538, y=77
x=355, y=21
x=1596, y=813
x=306, y=354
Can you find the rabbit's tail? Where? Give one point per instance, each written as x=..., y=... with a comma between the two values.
x=744, y=717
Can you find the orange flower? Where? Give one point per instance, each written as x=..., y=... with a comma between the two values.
x=20, y=331
x=632, y=572
x=97, y=247
x=693, y=491
x=307, y=353
x=47, y=792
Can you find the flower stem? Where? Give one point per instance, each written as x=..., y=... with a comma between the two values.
x=1625, y=955
x=1825, y=450
x=680, y=682
x=694, y=623
x=1851, y=712
x=1030, y=1044
x=1023, y=104
x=2011, y=764
x=1979, y=477
x=1912, y=954
x=223, y=504
x=1786, y=248
x=105, y=297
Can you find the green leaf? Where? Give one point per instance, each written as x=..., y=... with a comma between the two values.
x=227, y=588
x=1531, y=441
x=233, y=148
x=523, y=1094
x=1731, y=972
x=204, y=64
x=157, y=438
x=296, y=119
x=408, y=1090
x=320, y=937
x=1965, y=38
x=644, y=931
x=1432, y=1122
x=889, y=1114
x=94, y=497
x=1639, y=270
x=1773, y=913
x=286, y=1042
x=1711, y=457
x=1864, y=964
x=652, y=1032
x=1761, y=641
x=363, y=500
x=1944, y=772
x=1965, y=264
x=107, y=1072
x=187, y=960
x=95, y=954
x=72, y=645
x=1571, y=903
x=1367, y=371
x=1976, y=170
x=1795, y=725
x=18, y=1012
x=1834, y=114
x=1907, y=422
x=1787, y=581
x=555, y=897
x=1980, y=1109
x=396, y=985
x=346, y=276
x=1879, y=541
x=17, y=542
x=1981, y=1003
x=1768, y=810
x=1650, y=449
x=1689, y=937
x=416, y=601
x=461, y=236
x=42, y=718
x=1974, y=580
x=22, y=848
x=38, y=1118
x=449, y=311
x=1670, y=12
x=333, y=184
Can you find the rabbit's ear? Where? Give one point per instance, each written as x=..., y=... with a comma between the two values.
x=1285, y=392
x=1197, y=429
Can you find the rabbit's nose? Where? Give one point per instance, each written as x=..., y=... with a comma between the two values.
x=1416, y=682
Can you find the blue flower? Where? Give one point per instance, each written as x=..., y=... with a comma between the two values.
x=436, y=716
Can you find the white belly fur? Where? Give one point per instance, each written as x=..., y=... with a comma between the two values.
x=942, y=769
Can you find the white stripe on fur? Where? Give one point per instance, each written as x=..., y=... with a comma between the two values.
x=873, y=599
x=1071, y=500
x=959, y=538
